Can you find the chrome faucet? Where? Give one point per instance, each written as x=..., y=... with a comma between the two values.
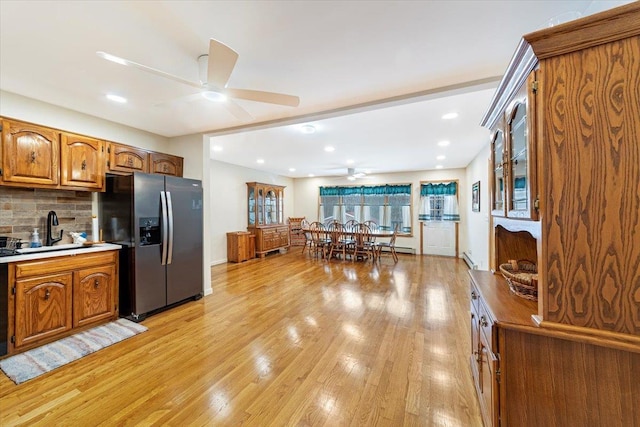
x=52, y=219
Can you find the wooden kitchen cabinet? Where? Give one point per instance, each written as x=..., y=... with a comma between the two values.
x=50, y=298
x=241, y=246
x=43, y=308
x=81, y=162
x=124, y=158
x=166, y=164
x=30, y=155
x=93, y=296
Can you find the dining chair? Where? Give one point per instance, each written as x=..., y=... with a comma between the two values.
x=320, y=241
x=373, y=226
x=308, y=238
x=364, y=244
x=338, y=242
x=391, y=245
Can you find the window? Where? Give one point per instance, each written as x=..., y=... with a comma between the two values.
x=388, y=205
x=439, y=201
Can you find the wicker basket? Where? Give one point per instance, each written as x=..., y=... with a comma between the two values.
x=522, y=277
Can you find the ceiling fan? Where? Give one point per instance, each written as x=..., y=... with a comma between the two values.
x=352, y=174
x=215, y=70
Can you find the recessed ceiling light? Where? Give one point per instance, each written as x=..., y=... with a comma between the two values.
x=438, y=166
x=329, y=149
x=211, y=95
x=217, y=148
x=117, y=98
x=443, y=143
x=292, y=169
x=261, y=161
x=307, y=129
x=441, y=157
x=449, y=116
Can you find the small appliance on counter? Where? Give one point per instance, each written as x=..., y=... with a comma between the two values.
x=158, y=221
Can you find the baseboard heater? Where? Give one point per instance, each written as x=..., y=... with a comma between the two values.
x=402, y=250
x=472, y=265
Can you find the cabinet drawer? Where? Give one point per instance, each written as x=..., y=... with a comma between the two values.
x=63, y=263
x=475, y=299
x=486, y=325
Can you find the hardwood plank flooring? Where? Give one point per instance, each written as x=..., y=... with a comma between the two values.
x=282, y=341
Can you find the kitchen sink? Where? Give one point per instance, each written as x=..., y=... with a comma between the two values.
x=53, y=248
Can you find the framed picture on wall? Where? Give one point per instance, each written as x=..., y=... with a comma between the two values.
x=475, y=197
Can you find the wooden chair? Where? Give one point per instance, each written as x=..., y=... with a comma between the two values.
x=308, y=239
x=351, y=226
x=391, y=245
x=364, y=243
x=373, y=226
x=338, y=242
x=319, y=241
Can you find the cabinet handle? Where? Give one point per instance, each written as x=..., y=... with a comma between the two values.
x=474, y=295
x=47, y=294
x=33, y=157
x=84, y=164
x=96, y=284
x=483, y=322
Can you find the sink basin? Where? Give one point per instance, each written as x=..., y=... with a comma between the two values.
x=53, y=248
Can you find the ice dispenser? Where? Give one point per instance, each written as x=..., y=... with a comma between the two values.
x=149, y=231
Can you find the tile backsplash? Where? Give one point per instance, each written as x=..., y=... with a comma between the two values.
x=23, y=209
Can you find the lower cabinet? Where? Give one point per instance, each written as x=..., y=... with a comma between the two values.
x=50, y=298
x=241, y=246
x=270, y=238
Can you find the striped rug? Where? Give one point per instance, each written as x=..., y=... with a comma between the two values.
x=35, y=362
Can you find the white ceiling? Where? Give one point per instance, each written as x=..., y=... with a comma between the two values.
x=424, y=58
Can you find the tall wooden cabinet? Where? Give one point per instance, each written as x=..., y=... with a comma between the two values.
x=265, y=206
x=565, y=193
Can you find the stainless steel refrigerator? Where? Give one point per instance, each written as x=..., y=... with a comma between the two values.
x=158, y=220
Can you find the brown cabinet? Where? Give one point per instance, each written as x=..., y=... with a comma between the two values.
x=81, y=162
x=30, y=155
x=265, y=205
x=241, y=246
x=124, y=158
x=166, y=164
x=51, y=297
x=564, y=359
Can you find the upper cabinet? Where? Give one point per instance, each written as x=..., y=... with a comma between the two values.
x=266, y=204
x=30, y=155
x=82, y=162
x=514, y=183
x=166, y=164
x=124, y=158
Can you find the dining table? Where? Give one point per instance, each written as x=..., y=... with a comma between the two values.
x=375, y=233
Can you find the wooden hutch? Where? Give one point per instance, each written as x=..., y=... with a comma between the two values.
x=565, y=180
x=265, y=204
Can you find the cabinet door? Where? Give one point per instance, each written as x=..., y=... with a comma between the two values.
x=166, y=164
x=93, y=296
x=82, y=161
x=521, y=177
x=123, y=158
x=42, y=307
x=498, y=182
x=30, y=154
x=488, y=383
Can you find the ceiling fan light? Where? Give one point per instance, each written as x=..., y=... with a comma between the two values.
x=359, y=175
x=112, y=58
x=214, y=96
x=351, y=178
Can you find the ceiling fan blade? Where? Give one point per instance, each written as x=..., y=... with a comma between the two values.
x=133, y=64
x=239, y=112
x=268, y=97
x=222, y=59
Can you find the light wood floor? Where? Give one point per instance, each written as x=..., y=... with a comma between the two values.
x=287, y=340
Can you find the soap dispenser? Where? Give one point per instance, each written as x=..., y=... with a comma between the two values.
x=35, y=239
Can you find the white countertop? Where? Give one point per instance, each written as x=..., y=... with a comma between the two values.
x=59, y=250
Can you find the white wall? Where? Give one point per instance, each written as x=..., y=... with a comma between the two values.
x=477, y=224
x=37, y=112
x=307, y=191
x=228, y=190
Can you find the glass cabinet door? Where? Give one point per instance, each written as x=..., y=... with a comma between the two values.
x=260, y=206
x=270, y=207
x=498, y=185
x=252, y=206
x=518, y=152
x=280, y=208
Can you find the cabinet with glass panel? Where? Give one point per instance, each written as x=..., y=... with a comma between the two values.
x=265, y=204
x=514, y=189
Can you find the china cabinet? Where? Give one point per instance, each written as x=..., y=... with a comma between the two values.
x=53, y=297
x=265, y=205
x=564, y=173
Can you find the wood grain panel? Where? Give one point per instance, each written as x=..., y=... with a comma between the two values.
x=564, y=383
x=591, y=175
x=519, y=245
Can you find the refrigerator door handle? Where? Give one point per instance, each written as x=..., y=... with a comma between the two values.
x=170, y=210
x=165, y=233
